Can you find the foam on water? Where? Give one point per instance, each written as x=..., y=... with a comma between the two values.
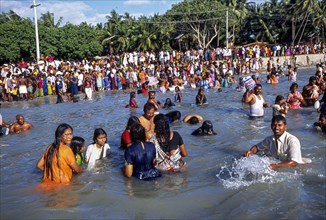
x=246, y=171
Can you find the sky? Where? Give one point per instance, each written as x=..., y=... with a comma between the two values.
x=91, y=11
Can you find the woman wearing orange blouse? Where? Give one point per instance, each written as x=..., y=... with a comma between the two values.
x=58, y=161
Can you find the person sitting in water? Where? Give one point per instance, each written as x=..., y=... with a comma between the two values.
x=201, y=98
x=125, y=137
x=132, y=101
x=140, y=156
x=58, y=161
x=192, y=119
x=20, y=125
x=295, y=99
x=173, y=116
x=282, y=145
x=256, y=101
x=168, y=103
x=170, y=148
x=205, y=129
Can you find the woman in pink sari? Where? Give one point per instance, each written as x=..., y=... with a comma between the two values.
x=295, y=98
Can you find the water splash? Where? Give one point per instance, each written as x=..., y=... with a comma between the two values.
x=246, y=171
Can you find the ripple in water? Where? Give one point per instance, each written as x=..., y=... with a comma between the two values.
x=246, y=171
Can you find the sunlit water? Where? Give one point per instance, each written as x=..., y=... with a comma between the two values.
x=217, y=184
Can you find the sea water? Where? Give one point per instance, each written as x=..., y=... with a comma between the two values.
x=218, y=182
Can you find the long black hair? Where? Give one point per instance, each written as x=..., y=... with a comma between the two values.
x=97, y=133
x=76, y=144
x=137, y=133
x=55, y=148
x=132, y=120
x=162, y=130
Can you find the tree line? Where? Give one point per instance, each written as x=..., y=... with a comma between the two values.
x=188, y=24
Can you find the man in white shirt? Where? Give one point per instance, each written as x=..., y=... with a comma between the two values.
x=282, y=145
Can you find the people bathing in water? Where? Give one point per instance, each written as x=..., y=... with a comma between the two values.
x=168, y=103
x=126, y=137
x=282, y=145
x=146, y=120
x=58, y=161
x=154, y=101
x=307, y=92
x=201, y=98
x=78, y=146
x=98, y=149
x=321, y=124
x=205, y=129
x=132, y=101
x=20, y=125
x=173, y=116
x=192, y=119
x=170, y=148
x=256, y=101
x=140, y=156
x=280, y=107
x=295, y=99
x=177, y=94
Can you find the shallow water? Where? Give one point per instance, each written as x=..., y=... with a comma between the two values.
x=217, y=184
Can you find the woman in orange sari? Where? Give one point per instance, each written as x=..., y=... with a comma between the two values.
x=58, y=161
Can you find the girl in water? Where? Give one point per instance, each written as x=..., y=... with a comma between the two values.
x=201, y=98
x=132, y=101
x=178, y=94
x=280, y=107
x=78, y=146
x=98, y=149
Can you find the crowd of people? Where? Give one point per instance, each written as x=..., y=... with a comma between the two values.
x=151, y=148
x=208, y=68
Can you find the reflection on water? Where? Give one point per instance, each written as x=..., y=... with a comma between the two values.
x=217, y=184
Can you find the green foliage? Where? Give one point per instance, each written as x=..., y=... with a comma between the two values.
x=202, y=23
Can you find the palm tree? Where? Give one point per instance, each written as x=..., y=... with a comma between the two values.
x=47, y=20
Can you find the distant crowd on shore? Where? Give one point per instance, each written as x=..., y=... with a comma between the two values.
x=208, y=68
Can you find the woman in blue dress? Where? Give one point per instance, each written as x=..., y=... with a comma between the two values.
x=140, y=156
x=73, y=85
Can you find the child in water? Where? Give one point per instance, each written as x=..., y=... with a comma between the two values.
x=132, y=101
x=280, y=107
x=78, y=146
x=98, y=149
x=201, y=98
x=178, y=94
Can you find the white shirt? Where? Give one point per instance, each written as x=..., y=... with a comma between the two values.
x=94, y=153
x=286, y=148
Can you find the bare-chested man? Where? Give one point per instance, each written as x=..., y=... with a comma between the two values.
x=20, y=125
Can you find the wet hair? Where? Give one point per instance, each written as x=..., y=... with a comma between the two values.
x=292, y=86
x=200, y=90
x=278, y=99
x=151, y=92
x=312, y=78
x=137, y=133
x=278, y=118
x=167, y=100
x=55, y=148
x=258, y=85
x=174, y=115
x=132, y=95
x=97, y=133
x=77, y=144
x=193, y=120
x=131, y=121
x=207, y=127
x=148, y=106
x=162, y=130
